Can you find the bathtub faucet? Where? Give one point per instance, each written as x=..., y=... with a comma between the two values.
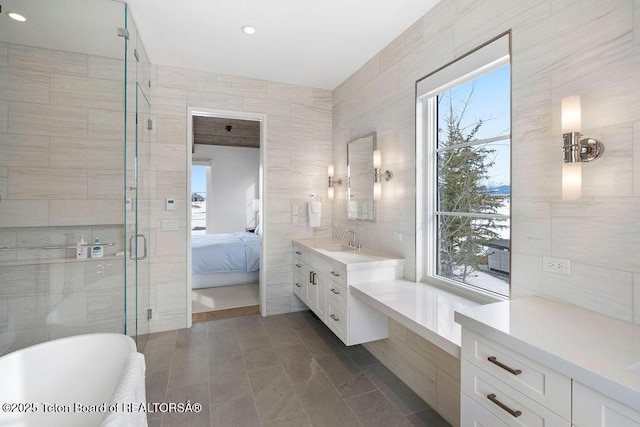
x=352, y=242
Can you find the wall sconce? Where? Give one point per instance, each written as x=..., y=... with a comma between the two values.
x=332, y=181
x=575, y=150
x=378, y=175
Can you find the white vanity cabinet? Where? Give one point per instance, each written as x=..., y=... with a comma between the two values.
x=594, y=409
x=536, y=362
x=511, y=387
x=322, y=272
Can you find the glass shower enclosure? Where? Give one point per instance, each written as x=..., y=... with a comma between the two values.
x=75, y=135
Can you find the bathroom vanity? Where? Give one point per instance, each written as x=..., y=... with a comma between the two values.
x=323, y=270
x=536, y=362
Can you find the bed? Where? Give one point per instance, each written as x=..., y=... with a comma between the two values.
x=224, y=259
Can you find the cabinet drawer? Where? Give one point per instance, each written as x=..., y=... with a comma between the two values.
x=546, y=386
x=334, y=270
x=337, y=320
x=594, y=409
x=300, y=286
x=299, y=253
x=474, y=415
x=504, y=402
x=337, y=293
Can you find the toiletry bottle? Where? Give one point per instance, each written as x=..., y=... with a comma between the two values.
x=82, y=251
x=97, y=251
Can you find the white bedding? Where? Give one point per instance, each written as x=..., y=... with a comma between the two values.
x=225, y=253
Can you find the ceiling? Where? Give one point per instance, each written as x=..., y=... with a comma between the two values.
x=226, y=132
x=315, y=43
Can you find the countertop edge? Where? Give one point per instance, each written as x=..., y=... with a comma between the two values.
x=581, y=374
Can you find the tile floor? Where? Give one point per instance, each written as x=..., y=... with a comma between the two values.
x=277, y=371
x=224, y=297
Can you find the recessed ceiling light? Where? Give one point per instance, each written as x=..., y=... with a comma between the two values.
x=16, y=16
x=248, y=29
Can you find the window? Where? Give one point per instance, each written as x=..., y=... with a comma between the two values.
x=200, y=179
x=464, y=131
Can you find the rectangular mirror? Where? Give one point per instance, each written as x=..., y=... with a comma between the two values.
x=360, y=203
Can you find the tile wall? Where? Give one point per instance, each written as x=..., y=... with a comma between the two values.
x=599, y=233
x=60, y=178
x=553, y=55
x=297, y=152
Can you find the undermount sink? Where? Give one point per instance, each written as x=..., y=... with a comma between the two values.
x=634, y=368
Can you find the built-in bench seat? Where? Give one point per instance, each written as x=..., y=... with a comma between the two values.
x=426, y=310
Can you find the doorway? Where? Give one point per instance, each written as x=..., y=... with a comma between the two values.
x=225, y=186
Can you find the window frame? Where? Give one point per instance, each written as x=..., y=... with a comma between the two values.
x=427, y=215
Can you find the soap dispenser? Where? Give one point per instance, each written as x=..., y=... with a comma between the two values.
x=82, y=251
x=97, y=251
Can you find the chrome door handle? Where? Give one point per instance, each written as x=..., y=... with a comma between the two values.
x=144, y=247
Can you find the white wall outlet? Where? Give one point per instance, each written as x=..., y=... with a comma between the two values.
x=556, y=265
x=397, y=236
x=170, y=204
x=169, y=225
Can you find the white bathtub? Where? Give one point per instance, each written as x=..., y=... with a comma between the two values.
x=82, y=369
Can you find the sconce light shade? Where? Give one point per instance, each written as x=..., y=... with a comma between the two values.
x=378, y=175
x=571, y=181
x=332, y=182
x=377, y=159
x=571, y=114
x=377, y=190
x=575, y=149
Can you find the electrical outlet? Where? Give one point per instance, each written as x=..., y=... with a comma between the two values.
x=556, y=265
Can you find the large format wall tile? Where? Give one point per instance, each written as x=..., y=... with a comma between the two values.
x=86, y=92
x=24, y=213
x=4, y=54
x=54, y=61
x=50, y=120
x=50, y=184
x=24, y=151
x=24, y=85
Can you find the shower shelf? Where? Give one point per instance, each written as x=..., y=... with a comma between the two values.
x=42, y=261
x=88, y=245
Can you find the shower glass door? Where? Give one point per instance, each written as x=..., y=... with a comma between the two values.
x=138, y=185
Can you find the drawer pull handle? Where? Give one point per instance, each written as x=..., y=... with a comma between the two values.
x=334, y=317
x=298, y=253
x=298, y=285
x=335, y=291
x=495, y=361
x=298, y=265
x=492, y=397
x=334, y=273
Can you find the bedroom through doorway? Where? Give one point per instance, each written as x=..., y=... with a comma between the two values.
x=225, y=210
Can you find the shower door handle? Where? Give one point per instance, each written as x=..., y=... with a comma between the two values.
x=144, y=254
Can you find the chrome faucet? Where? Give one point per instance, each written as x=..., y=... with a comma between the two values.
x=352, y=242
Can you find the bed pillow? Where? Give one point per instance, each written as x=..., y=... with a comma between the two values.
x=258, y=229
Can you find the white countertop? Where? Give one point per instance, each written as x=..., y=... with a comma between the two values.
x=593, y=349
x=424, y=309
x=353, y=259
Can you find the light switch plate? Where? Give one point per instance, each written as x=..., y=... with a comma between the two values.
x=169, y=225
x=170, y=204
